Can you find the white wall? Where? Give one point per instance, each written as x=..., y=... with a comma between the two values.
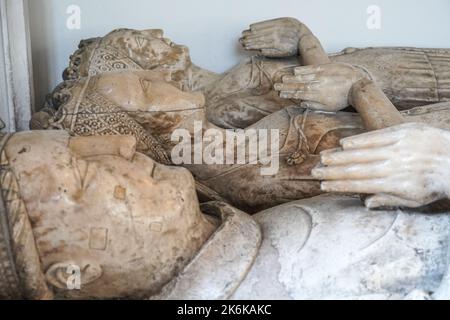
x=211, y=27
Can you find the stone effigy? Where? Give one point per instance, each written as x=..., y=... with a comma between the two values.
x=108, y=90
x=410, y=77
x=85, y=214
x=147, y=106
x=127, y=227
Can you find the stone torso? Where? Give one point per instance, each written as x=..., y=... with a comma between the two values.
x=331, y=247
x=302, y=134
x=327, y=247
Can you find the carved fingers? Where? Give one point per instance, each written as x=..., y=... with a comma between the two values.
x=386, y=200
x=325, y=87
x=303, y=85
x=300, y=87
x=273, y=38
x=377, y=139
x=406, y=165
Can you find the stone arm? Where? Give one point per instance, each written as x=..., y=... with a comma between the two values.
x=398, y=165
x=374, y=108
x=410, y=77
x=284, y=37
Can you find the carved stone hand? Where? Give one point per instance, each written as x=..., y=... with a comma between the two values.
x=274, y=38
x=406, y=165
x=324, y=87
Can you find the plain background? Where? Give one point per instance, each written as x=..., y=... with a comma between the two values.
x=211, y=28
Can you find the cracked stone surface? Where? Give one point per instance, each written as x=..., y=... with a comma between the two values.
x=332, y=247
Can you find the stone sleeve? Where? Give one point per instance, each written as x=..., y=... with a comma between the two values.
x=410, y=77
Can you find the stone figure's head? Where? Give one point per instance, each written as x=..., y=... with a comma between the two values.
x=126, y=49
x=152, y=99
x=103, y=216
x=149, y=99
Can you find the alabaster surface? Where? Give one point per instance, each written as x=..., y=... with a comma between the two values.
x=142, y=104
x=98, y=187
x=330, y=247
x=116, y=214
x=143, y=84
x=128, y=222
x=410, y=77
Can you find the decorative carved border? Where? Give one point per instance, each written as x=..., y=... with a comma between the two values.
x=16, y=85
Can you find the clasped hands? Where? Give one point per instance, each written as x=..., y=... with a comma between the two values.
x=407, y=165
x=402, y=166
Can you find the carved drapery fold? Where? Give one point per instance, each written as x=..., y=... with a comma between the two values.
x=16, y=88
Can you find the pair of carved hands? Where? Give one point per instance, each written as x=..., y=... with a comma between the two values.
x=406, y=165
x=324, y=87
x=402, y=166
x=275, y=38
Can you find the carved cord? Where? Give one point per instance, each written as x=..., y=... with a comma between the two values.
x=302, y=151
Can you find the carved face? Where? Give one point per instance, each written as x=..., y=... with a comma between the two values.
x=125, y=222
x=159, y=106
